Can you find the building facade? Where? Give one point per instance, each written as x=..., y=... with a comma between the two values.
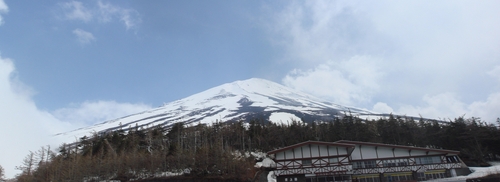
x=315, y=161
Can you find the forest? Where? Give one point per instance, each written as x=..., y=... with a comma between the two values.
x=220, y=151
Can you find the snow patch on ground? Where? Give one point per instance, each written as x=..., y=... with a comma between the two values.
x=284, y=118
x=267, y=163
x=258, y=155
x=271, y=177
x=477, y=172
x=484, y=171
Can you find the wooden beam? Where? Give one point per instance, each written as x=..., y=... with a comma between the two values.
x=360, y=152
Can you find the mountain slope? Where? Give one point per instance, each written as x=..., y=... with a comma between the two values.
x=240, y=100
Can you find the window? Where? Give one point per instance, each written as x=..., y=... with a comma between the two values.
x=370, y=164
x=421, y=176
x=389, y=163
x=435, y=174
x=400, y=176
x=366, y=178
x=342, y=178
x=364, y=164
x=333, y=160
x=306, y=162
x=404, y=163
x=428, y=160
x=357, y=165
x=395, y=162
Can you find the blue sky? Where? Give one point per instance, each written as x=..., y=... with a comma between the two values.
x=67, y=64
x=167, y=45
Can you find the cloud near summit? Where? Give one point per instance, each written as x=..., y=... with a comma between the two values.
x=417, y=57
x=348, y=82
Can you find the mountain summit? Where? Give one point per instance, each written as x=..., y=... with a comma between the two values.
x=240, y=100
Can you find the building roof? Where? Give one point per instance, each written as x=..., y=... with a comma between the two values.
x=350, y=146
x=397, y=146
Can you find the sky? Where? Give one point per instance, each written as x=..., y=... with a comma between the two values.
x=66, y=64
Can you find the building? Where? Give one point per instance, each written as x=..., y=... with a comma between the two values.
x=315, y=161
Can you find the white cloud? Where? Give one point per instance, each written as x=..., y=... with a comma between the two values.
x=92, y=112
x=3, y=9
x=448, y=106
x=382, y=108
x=348, y=82
x=444, y=106
x=107, y=11
x=103, y=12
x=83, y=36
x=495, y=72
x=430, y=54
x=25, y=127
x=74, y=10
x=487, y=110
x=129, y=17
x=319, y=31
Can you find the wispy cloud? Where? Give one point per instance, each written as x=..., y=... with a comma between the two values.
x=74, y=10
x=102, y=12
x=417, y=56
x=83, y=36
x=108, y=12
x=130, y=18
x=3, y=10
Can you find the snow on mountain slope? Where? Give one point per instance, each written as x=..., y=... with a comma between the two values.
x=241, y=100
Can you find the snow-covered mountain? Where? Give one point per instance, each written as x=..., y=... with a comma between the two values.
x=240, y=100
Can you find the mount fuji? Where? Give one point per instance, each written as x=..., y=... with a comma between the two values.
x=237, y=101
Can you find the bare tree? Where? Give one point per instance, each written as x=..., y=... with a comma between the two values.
x=28, y=164
x=1, y=173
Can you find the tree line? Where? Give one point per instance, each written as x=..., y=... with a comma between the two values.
x=220, y=150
